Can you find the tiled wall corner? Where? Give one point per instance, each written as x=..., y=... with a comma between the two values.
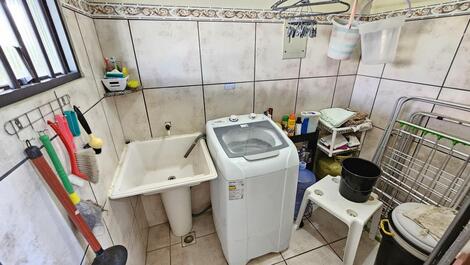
x=431, y=62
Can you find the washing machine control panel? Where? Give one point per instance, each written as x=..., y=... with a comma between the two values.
x=237, y=119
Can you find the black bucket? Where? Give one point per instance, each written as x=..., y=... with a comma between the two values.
x=394, y=249
x=358, y=178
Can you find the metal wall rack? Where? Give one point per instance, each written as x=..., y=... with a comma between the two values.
x=30, y=117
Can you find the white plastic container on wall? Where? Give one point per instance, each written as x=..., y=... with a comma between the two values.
x=343, y=39
x=344, y=36
x=379, y=40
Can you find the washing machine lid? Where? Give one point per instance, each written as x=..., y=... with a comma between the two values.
x=253, y=141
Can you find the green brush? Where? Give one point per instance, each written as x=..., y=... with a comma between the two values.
x=89, y=210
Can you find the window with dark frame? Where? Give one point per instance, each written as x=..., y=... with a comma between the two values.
x=35, y=52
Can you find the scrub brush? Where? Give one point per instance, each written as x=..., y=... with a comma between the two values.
x=90, y=211
x=83, y=163
x=94, y=142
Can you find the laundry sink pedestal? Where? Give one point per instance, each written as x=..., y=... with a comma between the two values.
x=177, y=203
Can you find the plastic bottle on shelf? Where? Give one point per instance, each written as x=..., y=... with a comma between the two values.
x=291, y=125
x=298, y=126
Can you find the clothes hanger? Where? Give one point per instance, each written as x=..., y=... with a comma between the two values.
x=302, y=8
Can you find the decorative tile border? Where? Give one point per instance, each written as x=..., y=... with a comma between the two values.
x=159, y=12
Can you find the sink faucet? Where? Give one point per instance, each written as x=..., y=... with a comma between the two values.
x=168, y=128
x=199, y=137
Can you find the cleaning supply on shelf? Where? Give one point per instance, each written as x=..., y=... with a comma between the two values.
x=291, y=125
x=312, y=118
x=91, y=212
x=285, y=119
x=125, y=72
x=83, y=163
x=93, y=142
x=114, y=74
x=115, y=255
x=133, y=84
x=298, y=126
x=336, y=116
x=306, y=179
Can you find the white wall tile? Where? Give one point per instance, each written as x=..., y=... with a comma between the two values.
x=119, y=218
x=462, y=132
x=167, y=52
x=33, y=228
x=391, y=91
x=371, y=142
x=374, y=70
x=279, y=95
x=364, y=92
x=93, y=49
x=227, y=51
x=269, y=62
x=426, y=49
x=183, y=106
x=315, y=93
x=458, y=76
x=349, y=66
x=115, y=40
x=221, y=102
x=316, y=61
x=77, y=42
x=343, y=91
x=133, y=116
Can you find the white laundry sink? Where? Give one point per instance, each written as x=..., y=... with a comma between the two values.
x=159, y=166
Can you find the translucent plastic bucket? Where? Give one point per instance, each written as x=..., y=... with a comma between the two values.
x=379, y=40
x=343, y=39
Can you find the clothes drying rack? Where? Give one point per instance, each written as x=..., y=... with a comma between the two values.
x=420, y=162
x=425, y=159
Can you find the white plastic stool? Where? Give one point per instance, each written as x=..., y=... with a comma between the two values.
x=325, y=194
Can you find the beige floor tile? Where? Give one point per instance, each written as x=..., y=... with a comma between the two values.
x=268, y=259
x=159, y=236
x=329, y=226
x=207, y=250
x=159, y=257
x=304, y=239
x=322, y=256
x=203, y=225
x=366, y=252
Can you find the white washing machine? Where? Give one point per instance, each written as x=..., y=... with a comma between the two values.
x=253, y=197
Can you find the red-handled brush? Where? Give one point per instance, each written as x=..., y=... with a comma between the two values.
x=83, y=165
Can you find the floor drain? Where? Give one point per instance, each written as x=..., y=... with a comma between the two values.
x=171, y=177
x=188, y=239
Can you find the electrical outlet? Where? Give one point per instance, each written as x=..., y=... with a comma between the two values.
x=229, y=86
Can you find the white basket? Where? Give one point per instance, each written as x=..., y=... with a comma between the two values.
x=343, y=39
x=313, y=118
x=115, y=84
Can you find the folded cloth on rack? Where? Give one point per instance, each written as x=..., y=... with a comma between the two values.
x=363, y=126
x=340, y=141
x=336, y=116
x=435, y=220
x=358, y=118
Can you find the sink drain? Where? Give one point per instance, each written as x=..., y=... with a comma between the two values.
x=171, y=177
